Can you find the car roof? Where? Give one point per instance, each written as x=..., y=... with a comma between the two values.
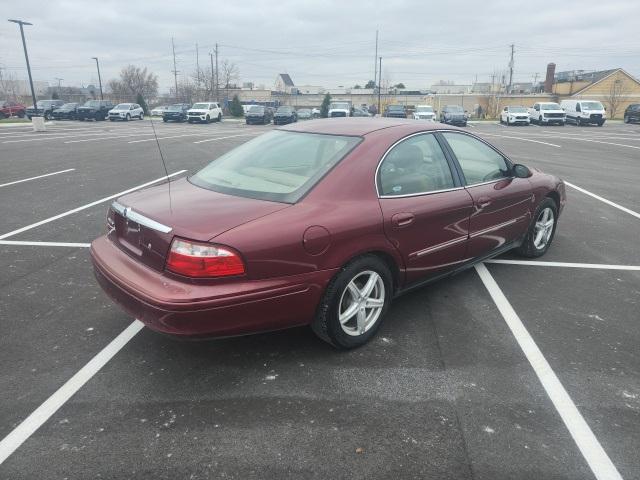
x=359, y=126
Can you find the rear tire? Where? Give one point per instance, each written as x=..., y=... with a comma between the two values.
x=627, y=119
x=355, y=302
x=142, y=116
x=219, y=117
x=541, y=231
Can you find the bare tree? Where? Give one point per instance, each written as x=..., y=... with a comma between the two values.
x=619, y=89
x=229, y=73
x=8, y=86
x=206, y=86
x=133, y=81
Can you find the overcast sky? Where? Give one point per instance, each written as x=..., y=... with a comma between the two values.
x=329, y=42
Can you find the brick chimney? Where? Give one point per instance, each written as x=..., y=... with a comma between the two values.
x=548, y=81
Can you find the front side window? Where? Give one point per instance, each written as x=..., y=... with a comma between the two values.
x=479, y=162
x=279, y=166
x=415, y=166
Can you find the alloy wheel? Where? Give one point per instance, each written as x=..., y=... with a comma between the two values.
x=361, y=303
x=543, y=228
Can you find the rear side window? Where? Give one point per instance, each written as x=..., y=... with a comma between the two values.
x=415, y=166
x=479, y=162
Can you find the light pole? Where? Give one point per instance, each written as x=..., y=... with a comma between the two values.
x=99, y=78
x=26, y=57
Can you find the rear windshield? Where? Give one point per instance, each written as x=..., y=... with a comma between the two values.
x=256, y=109
x=395, y=107
x=175, y=108
x=92, y=103
x=284, y=110
x=279, y=166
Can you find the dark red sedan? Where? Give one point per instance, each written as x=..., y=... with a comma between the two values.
x=320, y=224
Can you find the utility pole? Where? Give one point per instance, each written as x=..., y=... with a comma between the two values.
x=212, y=83
x=99, y=77
x=217, y=81
x=26, y=57
x=493, y=81
x=379, y=85
x=511, y=69
x=175, y=72
x=197, y=66
x=535, y=81
x=375, y=64
x=59, y=81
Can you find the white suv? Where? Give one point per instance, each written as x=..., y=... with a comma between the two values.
x=513, y=115
x=204, y=112
x=547, y=113
x=126, y=111
x=424, y=112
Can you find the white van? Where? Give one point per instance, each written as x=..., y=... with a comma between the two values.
x=582, y=112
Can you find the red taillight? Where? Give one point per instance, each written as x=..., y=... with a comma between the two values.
x=194, y=259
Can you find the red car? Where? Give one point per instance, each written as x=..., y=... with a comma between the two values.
x=320, y=224
x=9, y=109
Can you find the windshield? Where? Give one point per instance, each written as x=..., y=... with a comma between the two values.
x=122, y=106
x=591, y=106
x=92, y=103
x=279, y=166
x=549, y=106
x=455, y=109
x=395, y=107
x=517, y=110
x=69, y=105
x=284, y=110
x=256, y=109
x=200, y=106
x=44, y=103
x=424, y=109
x=175, y=108
x=341, y=106
x=304, y=111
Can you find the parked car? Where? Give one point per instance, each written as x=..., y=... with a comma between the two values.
x=394, y=111
x=68, y=111
x=126, y=111
x=315, y=112
x=45, y=108
x=453, y=115
x=94, y=110
x=304, y=114
x=416, y=203
x=284, y=115
x=176, y=112
x=632, y=113
x=584, y=112
x=339, y=109
x=245, y=108
x=547, y=113
x=10, y=108
x=359, y=112
x=258, y=114
x=205, y=112
x=159, y=111
x=424, y=112
x=515, y=115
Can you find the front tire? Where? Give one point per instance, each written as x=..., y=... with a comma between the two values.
x=541, y=231
x=219, y=117
x=354, y=304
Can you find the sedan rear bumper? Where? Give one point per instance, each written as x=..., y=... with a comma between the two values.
x=185, y=308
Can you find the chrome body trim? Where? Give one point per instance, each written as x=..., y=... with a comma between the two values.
x=129, y=214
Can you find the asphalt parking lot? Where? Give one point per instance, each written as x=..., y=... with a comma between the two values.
x=516, y=370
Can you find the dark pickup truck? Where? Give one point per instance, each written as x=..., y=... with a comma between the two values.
x=68, y=111
x=45, y=108
x=94, y=110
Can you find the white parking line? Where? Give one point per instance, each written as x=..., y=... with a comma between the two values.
x=33, y=422
x=520, y=138
x=608, y=202
x=88, y=205
x=45, y=244
x=173, y=136
x=58, y=137
x=591, y=450
x=34, y=178
x=594, y=141
x=108, y=138
x=596, y=266
x=230, y=136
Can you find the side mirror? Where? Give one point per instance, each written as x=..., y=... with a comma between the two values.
x=521, y=171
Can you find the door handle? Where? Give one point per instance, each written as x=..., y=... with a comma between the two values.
x=400, y=220
x=484, y=201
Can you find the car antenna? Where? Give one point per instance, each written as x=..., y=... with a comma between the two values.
x=162, y=158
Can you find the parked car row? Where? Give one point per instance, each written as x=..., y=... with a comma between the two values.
x=577, y=112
